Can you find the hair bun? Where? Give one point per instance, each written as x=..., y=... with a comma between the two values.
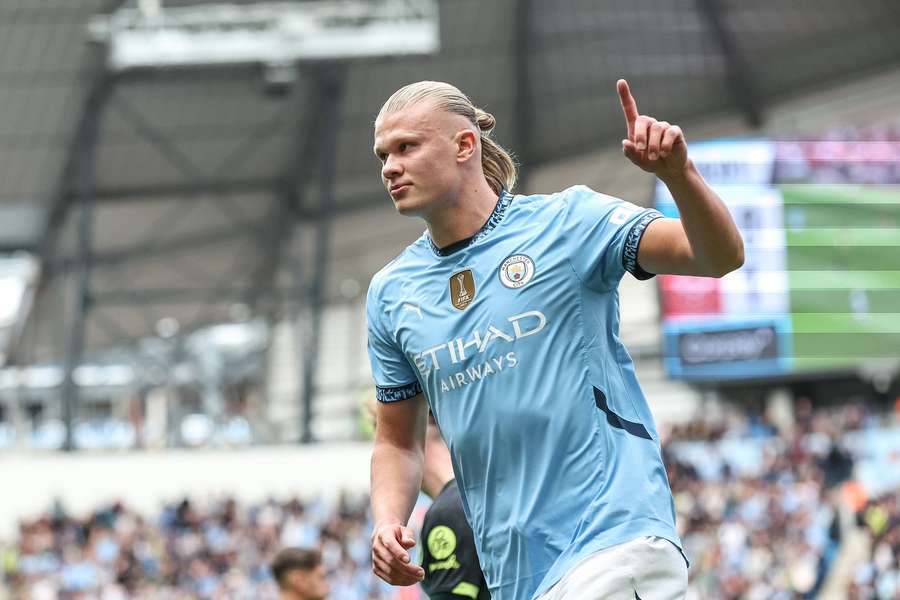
x=484, y=120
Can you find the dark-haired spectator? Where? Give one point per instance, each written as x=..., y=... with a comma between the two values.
x=300, y=574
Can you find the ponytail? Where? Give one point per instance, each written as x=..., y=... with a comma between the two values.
x=498, y=166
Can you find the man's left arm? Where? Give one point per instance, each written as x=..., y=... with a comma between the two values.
x=704, y=241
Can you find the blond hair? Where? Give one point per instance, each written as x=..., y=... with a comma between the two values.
x=497, y=164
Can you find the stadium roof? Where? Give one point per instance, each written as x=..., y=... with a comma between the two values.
x=207, y=181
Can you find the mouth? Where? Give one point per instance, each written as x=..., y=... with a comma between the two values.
x=399, y=190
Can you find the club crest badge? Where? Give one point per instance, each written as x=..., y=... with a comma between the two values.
x=516, y=271
x=462, y=289
x=441, y=542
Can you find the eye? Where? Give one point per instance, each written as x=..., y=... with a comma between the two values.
x=404, y=146
x=381, y=156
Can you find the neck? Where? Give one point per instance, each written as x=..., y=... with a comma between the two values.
x=462, y=216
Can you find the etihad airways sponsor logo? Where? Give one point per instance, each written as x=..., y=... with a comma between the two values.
x=459, y=349
x=492, y=366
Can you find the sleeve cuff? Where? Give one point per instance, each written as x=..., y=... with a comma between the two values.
x=397, y=393
x=633, y=241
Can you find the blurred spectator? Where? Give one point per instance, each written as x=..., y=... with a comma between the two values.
x=878, y=578
x=300, y=574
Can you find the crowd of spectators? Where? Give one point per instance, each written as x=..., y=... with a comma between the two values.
x=878, y=577
x=216, y=550
x=758, y=508
x=759, y=505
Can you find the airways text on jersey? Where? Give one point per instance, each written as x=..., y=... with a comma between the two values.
x=473, y=348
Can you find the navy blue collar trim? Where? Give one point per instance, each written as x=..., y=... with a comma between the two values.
x=503, y=202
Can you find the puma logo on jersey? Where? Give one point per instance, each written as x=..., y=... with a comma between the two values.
x=409, y=306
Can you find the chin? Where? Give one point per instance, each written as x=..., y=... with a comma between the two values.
x=408, y=210
x=410, y=206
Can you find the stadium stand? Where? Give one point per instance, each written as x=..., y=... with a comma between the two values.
x=188, y=550
x=759, y=508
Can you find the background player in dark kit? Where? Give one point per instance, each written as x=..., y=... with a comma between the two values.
x=449, y=560
x=448, y=551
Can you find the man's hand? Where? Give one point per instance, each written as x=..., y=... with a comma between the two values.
x=655, y=146
x=390, y=559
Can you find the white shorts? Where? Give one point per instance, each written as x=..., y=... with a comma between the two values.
x=648, y=568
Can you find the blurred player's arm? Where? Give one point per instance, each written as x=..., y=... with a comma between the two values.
x=397, y=463
x=704, y=241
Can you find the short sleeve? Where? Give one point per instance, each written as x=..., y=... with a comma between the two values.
x=394, y=376
x=603, y=234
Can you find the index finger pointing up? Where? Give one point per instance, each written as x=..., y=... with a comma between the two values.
x=629, y=106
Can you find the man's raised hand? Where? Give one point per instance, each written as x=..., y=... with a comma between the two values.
x=655, y=146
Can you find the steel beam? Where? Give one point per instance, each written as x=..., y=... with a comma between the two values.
x=167, y=192
x=85, y=153
x=198, y=180
x=154, y=249
x=178, y=159
x=97, y=96
x=61, y=199
x=332, y=79
x=740, y=78
x=161, y=247
x=298, y=168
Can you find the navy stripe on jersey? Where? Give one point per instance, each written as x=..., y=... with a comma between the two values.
x=629, y=254
x=618, y=422
x=400, y=392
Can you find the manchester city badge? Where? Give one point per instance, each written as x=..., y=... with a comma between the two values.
x=516, y=271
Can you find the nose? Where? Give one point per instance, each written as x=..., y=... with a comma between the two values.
x=391, y=168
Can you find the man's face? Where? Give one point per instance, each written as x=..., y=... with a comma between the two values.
x=311, y=584
x=419, y=150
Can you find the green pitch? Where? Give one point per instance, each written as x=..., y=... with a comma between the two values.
x=843, y=260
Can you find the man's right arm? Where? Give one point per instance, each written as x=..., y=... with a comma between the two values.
x=397, y=460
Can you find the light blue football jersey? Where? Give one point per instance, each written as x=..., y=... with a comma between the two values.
x=514, y=341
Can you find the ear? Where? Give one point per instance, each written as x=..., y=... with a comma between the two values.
x=466, y=145
x=296, y=579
